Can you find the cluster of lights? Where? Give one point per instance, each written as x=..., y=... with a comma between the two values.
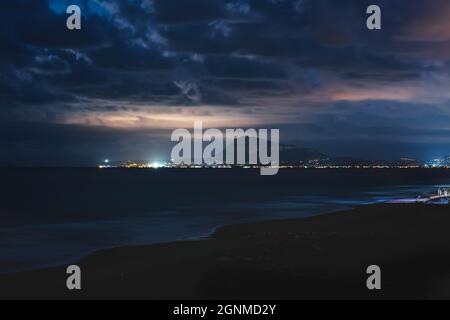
x=153, y=165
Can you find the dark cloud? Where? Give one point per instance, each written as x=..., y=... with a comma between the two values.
x=21, y=87
x=223, y=53
x=130, y=58
x=253, y=40
x=235, y=67
x=174, y=11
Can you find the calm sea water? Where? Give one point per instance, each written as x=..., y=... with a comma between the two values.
x=56, y=216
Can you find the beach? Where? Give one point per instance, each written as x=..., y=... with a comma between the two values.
x=320, y=257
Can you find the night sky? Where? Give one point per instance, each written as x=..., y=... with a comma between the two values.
x=139, y=69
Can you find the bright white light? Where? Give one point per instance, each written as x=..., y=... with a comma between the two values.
x=106, y=160
x=156, y=165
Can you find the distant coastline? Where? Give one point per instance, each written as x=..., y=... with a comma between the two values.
x=291, y=167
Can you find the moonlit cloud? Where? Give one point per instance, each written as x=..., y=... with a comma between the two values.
x=144, y=119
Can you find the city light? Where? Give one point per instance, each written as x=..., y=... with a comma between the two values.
x=156, y=165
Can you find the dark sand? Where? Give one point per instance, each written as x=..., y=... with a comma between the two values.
x=319, y=257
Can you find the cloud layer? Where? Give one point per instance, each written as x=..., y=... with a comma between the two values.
x=139, y=68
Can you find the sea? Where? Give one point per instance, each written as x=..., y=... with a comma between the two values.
x=57, y=216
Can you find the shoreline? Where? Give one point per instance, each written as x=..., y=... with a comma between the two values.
x=323, y=256
x=199, y=237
